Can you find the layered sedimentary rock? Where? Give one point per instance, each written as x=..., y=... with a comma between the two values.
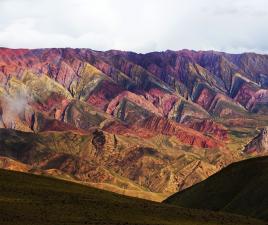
x=140, y=123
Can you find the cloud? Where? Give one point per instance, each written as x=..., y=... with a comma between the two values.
x=14, y=105
x=141, y=25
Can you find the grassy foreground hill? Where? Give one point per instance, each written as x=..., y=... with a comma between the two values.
x=240, y=188
x=31, y=199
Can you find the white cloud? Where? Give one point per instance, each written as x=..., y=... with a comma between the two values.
x=140, y=25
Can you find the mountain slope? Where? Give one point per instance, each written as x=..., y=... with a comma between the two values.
x=169, y=119
x=240, y=188
x=30, y=199
x=104, y=160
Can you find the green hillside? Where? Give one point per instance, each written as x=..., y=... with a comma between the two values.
x=31, y=199
x=240, y=188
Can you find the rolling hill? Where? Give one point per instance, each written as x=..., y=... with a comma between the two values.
x=31, y=199
x=240, y=188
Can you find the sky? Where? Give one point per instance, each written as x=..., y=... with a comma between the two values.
x=136, y=25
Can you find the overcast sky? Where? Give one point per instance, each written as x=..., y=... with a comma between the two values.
x=136, y=25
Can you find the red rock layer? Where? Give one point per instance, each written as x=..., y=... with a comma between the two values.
x=210, y=127
x=184, y=134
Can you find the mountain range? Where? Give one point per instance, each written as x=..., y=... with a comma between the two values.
x=143, y=125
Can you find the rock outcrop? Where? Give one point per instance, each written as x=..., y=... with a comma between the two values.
x=259, y=144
